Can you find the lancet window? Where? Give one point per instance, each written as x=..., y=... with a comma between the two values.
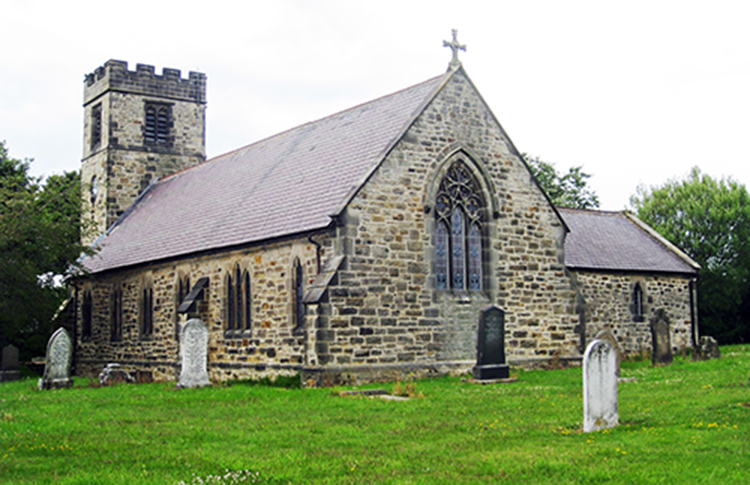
x=86, y=315
x=459, y=209
x=239, y=302
x=298, y=312
x=638, y=303
x=147, y=311
x=116, y=314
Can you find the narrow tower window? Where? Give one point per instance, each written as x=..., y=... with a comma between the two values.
x=158, y=122
x=96, y=125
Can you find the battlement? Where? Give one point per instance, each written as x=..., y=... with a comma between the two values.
x=115, y=76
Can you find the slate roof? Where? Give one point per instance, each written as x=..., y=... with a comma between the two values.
x=287, y=184
x=619, y=241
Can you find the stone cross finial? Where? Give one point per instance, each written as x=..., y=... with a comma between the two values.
x=455, y=47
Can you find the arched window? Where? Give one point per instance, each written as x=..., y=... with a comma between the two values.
x=183, y=288
x=239, y=302
x=147, y=311
x=298, y=307
x=116, y=314
x=459, y=208
x=158, y=120
x=86, y=315
x=638, y=303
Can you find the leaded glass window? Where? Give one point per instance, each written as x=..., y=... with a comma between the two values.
x=458, y=253
x=441, y=256
x=459, y=206
x=475, y=258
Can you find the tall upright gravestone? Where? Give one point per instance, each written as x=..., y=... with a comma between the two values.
x=57, y=362
x=9, y=370
x=660, y=340
x=491, y=346
x=194, y=346
x=600, y=407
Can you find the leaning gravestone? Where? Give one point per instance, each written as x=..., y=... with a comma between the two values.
x=600, y=409
x=491, y=346
x=194, y=345
x=660, y=340
x=9, y=370
x=707, y=348
x=57, y=362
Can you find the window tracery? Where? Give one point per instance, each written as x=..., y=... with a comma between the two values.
x=459, y=207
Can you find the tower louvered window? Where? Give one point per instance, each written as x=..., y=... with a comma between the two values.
x=96, y=125
x=459, y=209
x=158, y=121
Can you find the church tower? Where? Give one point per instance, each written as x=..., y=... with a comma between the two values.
x=138, y=126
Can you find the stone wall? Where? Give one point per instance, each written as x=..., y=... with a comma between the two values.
x=384, y=311
x=268, y=349
x=122, y=162
x=609, y=306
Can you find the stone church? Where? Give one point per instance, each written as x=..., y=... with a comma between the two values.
x=358, y=247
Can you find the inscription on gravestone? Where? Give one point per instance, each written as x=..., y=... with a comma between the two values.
x=194, y=346
x=661, y=343
x=57, y=363
x=600, y=409
x=9, y=370
x=491, y=346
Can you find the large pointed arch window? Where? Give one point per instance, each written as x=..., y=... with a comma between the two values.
x=459, y=208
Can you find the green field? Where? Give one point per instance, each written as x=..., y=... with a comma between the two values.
x=685, y=423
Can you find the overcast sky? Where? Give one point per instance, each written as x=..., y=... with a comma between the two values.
x=637, y=92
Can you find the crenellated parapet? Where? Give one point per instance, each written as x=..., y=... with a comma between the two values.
x=115, y=76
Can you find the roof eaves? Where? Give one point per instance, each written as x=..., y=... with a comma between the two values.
x=661, y=240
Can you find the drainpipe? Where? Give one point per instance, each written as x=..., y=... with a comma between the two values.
x=317, y=253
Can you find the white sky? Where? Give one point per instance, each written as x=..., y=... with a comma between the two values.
x=637, y=92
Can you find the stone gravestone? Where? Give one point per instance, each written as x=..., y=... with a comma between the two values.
x=114, y=374
x=491, y=346
x=194, y=346
x=660, y=341
x=599, y=387
x=610, y=337
x=9, y=371
x=57, y=362
x=707, y=348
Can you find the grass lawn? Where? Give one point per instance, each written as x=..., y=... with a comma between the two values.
x=685, y=423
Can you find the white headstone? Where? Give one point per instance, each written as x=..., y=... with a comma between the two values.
x=599, y=386
x=194, y=346
x=57, y=363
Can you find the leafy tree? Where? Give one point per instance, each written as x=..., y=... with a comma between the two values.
x=39, y=240
x=710, y=220
x=565, y=190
